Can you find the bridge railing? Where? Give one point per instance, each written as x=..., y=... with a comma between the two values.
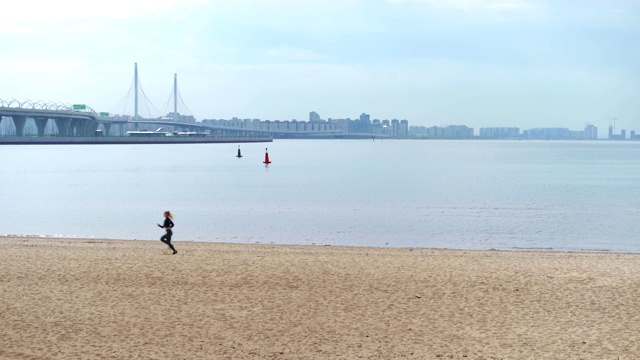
x=42, y=105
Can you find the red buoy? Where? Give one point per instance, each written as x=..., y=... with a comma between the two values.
x=266, y=156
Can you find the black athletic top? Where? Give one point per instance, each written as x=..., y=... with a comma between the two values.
x=167, y=223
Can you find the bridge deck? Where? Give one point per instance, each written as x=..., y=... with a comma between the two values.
x=52, y=140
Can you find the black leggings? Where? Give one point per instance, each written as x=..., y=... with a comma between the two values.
x=166, y=238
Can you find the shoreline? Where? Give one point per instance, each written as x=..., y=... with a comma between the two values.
x=97, y=298
x=513, y=249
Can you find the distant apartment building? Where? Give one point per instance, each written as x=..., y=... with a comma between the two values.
x=314, y=117
x=340, y=124
x=177, y=117
x=365, y=124
x=386, y=127
x=418, y=131
x=437, y=132
x=396, y=128
x=458, y=132
x=275, y=125
x=499, y=132
x=634, y=136
x=621, y=136
x=553, y=134
x=403, y=131
x=590, y=132
x=376, y=127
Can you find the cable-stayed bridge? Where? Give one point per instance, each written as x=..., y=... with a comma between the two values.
x=80, y=120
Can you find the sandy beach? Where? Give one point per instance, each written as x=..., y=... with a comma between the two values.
x=126, y=299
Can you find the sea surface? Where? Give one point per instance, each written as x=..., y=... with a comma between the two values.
x=461, y=194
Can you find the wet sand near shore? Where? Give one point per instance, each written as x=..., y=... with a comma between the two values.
x=131, y=299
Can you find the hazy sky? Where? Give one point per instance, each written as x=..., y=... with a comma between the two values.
x=523, y=63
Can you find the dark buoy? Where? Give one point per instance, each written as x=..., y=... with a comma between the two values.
x=239, y=154
x=266, y=156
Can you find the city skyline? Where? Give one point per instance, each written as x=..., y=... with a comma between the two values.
x=364, y=124
x=482, y=63
x=359, y=127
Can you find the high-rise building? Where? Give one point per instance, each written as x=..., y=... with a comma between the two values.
x=612, y=136
x=314, y=117
x=395, y=127
x=403, y=131
x=590, y=132
x=365, y=123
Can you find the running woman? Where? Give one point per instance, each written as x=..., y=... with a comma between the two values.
x=168, y=225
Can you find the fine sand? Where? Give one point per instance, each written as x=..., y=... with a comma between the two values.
x=106, y=299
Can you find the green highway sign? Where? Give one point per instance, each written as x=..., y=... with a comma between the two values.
x=79, y=107
x=104, y=113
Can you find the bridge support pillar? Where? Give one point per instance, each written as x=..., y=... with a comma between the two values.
x=72, y=127
x=107, y=128
x=41, y=123
x=19, y=121
x=90, y=128
x=76, y=128
x=63, y=126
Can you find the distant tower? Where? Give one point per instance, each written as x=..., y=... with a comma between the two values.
x=175, y=97
x=314, y=117
x=135, y=82
x=365, y=123
x=590, y=132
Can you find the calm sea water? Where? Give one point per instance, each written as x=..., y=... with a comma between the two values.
x=563, y=196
